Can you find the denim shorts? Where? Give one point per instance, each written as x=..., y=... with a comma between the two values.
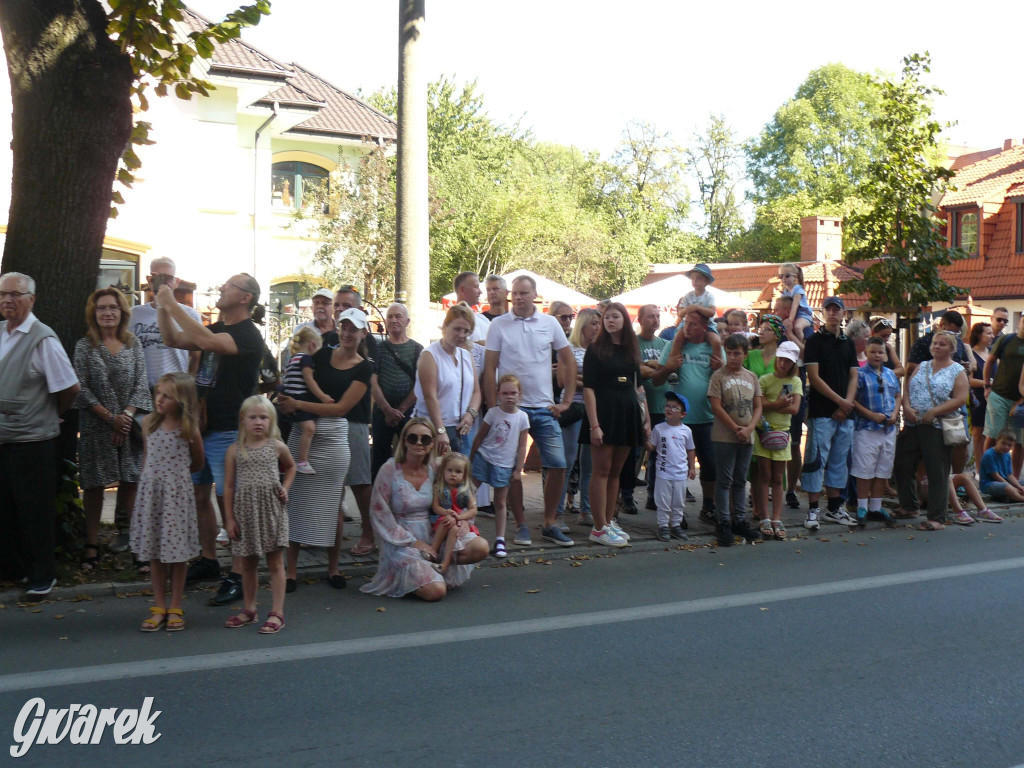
x=547, y=436
x=215, y=446
x=485, y=472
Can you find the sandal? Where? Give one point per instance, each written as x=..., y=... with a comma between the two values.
x=766, y=529
x=141, y=566
x=359, y=550
x=929, y=525
x=245, y=617
x=962, y=518
x=154, y=622
x=175, y=620
x=499, y=550
x=779, y=530
x=90, y=563
x=270, y=627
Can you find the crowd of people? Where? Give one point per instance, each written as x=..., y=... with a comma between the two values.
x=171, y=411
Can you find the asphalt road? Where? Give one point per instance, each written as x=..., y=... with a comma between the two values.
x=880, y=648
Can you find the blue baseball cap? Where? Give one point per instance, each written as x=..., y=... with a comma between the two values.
x=681, y=399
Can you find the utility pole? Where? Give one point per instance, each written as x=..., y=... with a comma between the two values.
x=412, y=260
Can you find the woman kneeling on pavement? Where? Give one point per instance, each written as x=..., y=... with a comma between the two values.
x=399, y=510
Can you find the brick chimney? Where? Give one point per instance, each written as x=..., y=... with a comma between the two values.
x=821, y=238
x=1010, y=144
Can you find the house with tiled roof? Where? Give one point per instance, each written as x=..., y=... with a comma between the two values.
x=218, y=190
x=984, y=214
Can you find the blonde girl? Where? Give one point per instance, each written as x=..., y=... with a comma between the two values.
x=254, y=507
x=298, y=382
x=164, y=527
x=800, y=318
x=454, y=506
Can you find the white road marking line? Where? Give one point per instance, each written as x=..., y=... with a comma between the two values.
x=213, y=661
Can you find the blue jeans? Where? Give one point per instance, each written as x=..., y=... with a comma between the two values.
x=215, y=445
x=571, y=446
x=732, y=461
x=828, y=445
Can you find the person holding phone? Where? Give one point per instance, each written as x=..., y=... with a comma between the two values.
x=160, y=359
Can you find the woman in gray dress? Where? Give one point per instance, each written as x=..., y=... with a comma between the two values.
x=112, y=371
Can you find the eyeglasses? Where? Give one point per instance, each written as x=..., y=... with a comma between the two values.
x=108, y=308
x=412, y=439
x=566, y=317
x=1003, y=320
x=14, y=294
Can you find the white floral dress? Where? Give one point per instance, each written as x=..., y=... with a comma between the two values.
x=400, y=516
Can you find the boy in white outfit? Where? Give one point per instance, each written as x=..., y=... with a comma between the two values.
x=674, y=451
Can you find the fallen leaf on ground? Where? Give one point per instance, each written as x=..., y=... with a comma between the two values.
x=80, y=597
x=762, y=609
x=382, y=610
x=532, y=591
x=58, y=615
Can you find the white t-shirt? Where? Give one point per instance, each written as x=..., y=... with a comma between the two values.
x=480, y=326
x=160, y=358
x=454, y=384
x=670, y=450
x=524, y=346
x=499, y=447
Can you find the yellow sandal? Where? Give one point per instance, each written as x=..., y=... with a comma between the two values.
x=175, y=619
x=154, y=622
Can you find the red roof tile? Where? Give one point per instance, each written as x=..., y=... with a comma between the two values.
x=987, y=180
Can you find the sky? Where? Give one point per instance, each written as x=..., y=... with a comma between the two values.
x=576, y=72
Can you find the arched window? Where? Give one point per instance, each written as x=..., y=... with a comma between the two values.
x=292, y=179
x=965, y=231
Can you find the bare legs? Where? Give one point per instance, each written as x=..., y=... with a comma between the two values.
x=604, y=482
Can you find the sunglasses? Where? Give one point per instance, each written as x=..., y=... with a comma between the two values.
x=1000, y=320
x=565, y=317
x=883, y=323
x=411, y=439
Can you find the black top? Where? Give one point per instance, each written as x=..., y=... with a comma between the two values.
x=224, y=381
x=335, y=382
x=922, y=350
x=1009, y=351
x=835, y=356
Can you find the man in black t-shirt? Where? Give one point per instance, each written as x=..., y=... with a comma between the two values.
x=1002, y=390
x=231, y=351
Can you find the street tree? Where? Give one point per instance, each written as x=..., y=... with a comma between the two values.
x=714, y=162
x=899, y=228
x=77, y=74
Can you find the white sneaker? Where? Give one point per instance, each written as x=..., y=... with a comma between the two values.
x=607, y=537
x=617, y=529
x=840, y=517
x=303, y=468
x=811, y=523
x=222, y=537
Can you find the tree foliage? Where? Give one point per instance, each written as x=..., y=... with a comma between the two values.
x=899, y=227
x=812, y=156
x=713, y=157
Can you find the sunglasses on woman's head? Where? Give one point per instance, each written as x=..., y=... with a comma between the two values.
x=413, y=439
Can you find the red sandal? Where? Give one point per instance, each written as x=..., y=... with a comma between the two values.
x=272, y=628
x=245, y=617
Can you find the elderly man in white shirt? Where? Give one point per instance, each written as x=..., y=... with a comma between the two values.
x=37, y=384
x=161, y=359
x=521, y=342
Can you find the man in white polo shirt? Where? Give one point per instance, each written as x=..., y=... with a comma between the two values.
x=521, y=342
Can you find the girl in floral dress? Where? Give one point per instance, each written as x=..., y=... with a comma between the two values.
x=164, y=530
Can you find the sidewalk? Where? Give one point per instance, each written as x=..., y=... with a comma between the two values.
x=642, y=529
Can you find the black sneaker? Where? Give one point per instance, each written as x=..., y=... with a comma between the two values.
x=650, y=504
x=40, y=588
x=663, y=534
x=676, y=532
x=723, y=532
x=690, y=498
x=742, y=528
x=629, y=506
x=708, y=516
x=203, y=569
x=230, y=591
x=791, y=500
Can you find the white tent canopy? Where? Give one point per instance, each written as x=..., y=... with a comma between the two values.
x=667, y=293
x=547, y=291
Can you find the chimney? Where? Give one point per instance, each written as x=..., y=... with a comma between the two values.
x=821, y=238
x=1010, y=144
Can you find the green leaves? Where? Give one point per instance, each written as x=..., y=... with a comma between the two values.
x=898, y=226
x=163, y=56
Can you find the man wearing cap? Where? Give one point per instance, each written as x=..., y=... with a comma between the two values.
x=323, y=313
x=831, y=363
x=693, y=364
x=37, y=384
x=229, y=370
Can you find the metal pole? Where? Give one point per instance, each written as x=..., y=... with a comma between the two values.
x=412, y=259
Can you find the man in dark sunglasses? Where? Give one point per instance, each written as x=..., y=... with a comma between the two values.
x=1000, y=319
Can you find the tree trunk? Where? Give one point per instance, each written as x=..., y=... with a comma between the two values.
x=70, y=90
